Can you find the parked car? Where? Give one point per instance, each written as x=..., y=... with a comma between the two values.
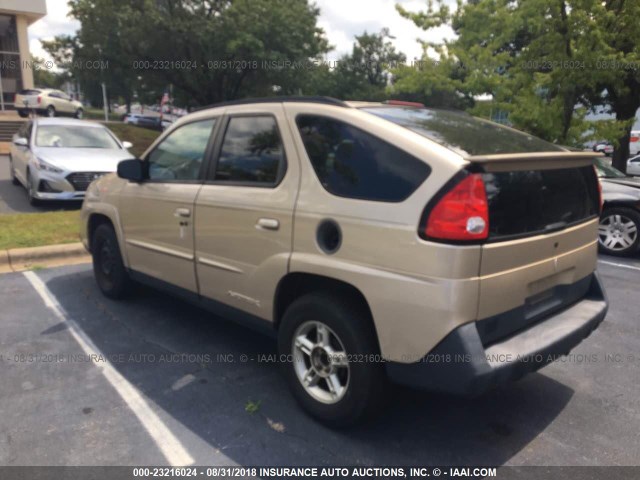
x=57, y=159
x=620, y=218
x=603, y=147
x=634, y=142
x=146, y=121
x=46, y=101
x=376, y=242
x=633, y=165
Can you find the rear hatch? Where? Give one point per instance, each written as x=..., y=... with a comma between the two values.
x=28, y=97
x=541, y=248
x=532, y=206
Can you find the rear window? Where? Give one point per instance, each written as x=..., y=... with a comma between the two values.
x=30, y=92
x=352, y=163
x=463, y=133
x=535, y=201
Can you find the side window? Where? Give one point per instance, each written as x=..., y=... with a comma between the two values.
x=251, y=151
x=352, y=163
x=179, y=156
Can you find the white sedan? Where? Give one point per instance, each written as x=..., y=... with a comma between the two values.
x=633, y=165
x=57, y=159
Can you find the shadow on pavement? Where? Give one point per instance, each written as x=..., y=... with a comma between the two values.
x=209, y=397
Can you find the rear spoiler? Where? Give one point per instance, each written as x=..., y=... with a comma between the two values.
x=534, y=160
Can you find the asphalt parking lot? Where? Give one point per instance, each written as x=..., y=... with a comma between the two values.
x=174, y=384
x=13, y=199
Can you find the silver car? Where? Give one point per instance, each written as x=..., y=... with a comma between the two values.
x=57, y=159
x=633, y=166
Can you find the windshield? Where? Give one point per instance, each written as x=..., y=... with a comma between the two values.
x=463, y=133
x=605, y=170
x=74, y=136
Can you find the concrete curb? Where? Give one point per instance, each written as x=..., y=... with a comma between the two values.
x=20, y=259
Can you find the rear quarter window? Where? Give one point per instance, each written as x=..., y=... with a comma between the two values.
x=352, y=163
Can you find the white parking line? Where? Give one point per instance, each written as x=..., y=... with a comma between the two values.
x=621, y=265
x=168, y=444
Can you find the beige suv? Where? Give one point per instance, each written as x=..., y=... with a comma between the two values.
x=49, y=102
x=377, y=241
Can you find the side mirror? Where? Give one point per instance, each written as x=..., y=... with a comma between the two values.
x=127, y=145
x=21, y=142
x=133, y=170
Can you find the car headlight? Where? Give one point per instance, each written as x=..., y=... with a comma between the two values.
x=42, y=165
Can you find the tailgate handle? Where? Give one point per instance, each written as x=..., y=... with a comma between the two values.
x=268, y=224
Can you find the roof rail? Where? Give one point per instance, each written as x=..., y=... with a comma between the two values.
x=287, y=99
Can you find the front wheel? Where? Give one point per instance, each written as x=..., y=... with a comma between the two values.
x=14, y=179
x=618, y=231
x=31, y=190
x=332, y=365
x=109, y=270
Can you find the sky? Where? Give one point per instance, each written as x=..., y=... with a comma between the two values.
x=342, y=20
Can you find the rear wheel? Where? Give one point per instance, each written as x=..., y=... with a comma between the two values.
x=109, y=270
x=618, y=231
x=79, y=113
x=51, y=111
x=332, y=359
x=23, y=113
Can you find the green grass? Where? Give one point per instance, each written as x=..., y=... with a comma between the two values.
x=140, y=137
x=38, y=229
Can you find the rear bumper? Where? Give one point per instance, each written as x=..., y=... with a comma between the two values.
x=461, y=364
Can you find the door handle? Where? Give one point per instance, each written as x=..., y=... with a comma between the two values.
x=268, y=224
x=182, y=212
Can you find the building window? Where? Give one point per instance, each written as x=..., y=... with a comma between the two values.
x=8, y=34
x=10, y=71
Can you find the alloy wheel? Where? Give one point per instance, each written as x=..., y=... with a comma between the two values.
x=617, y=232
x=320, y=362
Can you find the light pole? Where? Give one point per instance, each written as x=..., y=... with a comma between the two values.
x=104, y=87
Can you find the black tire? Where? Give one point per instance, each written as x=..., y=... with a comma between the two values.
x=23, y=113
x=619, y=245
x=108, y=269
x=79, y=114
x=12, y=172
x=31, y=188
x=351, y=322
x=51, y=111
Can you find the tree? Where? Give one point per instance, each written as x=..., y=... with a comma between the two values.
x=222, y=50
x=542, y=61
x=366, y=72
x=44, y=77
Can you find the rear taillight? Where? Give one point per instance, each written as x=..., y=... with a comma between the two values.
x=39, y=99
x=461, y=214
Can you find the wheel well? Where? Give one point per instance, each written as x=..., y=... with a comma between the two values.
x=295, y=285
x=620, y=204
x=95, y=221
